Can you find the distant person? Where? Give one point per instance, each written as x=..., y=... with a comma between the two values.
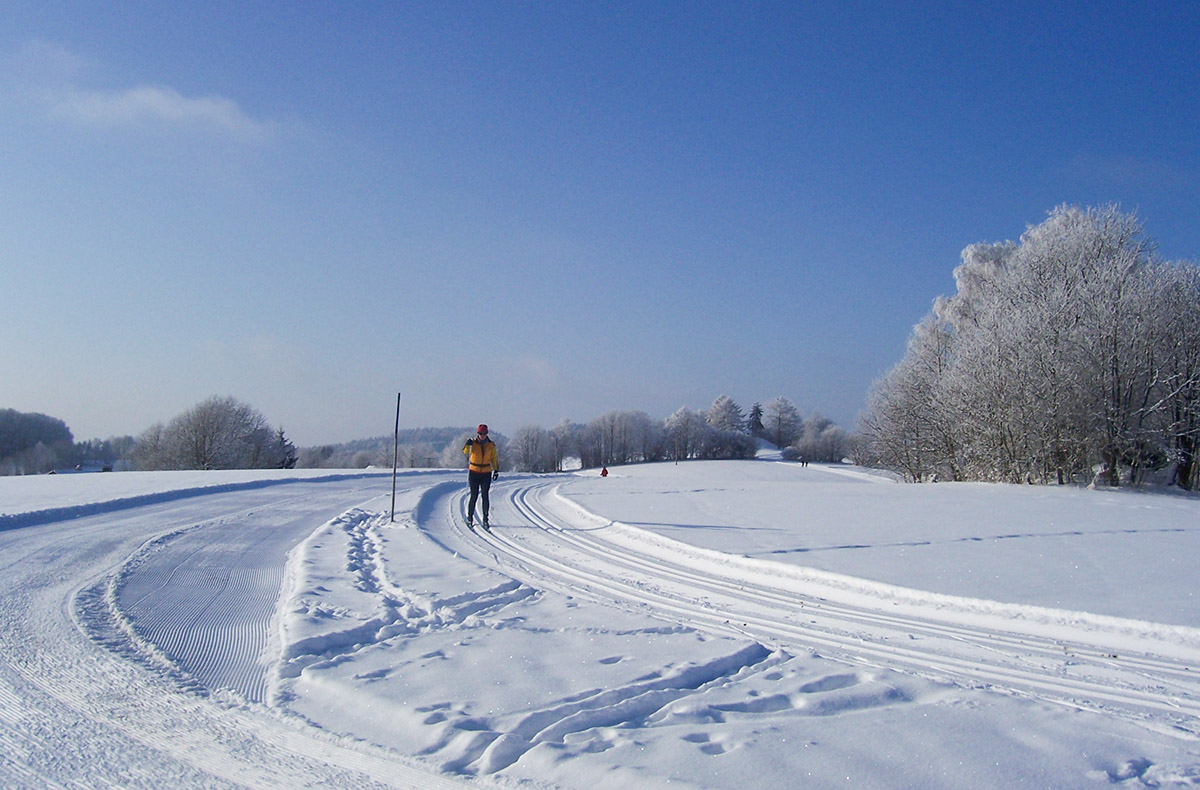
x=483, y=466
x=604, y=472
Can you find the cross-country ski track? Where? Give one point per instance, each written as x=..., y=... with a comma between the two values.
x=196, y=639
x=549, y=540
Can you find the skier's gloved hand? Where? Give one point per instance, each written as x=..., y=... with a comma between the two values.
x=496, y=475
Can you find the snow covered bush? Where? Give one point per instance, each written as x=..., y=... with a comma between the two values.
x=821, y=441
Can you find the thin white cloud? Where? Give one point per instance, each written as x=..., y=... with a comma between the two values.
x=154, y=105
x=63, y=84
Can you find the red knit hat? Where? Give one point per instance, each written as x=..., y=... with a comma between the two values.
x=482, y=429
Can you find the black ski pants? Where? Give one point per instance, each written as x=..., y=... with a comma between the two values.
x=481, y=482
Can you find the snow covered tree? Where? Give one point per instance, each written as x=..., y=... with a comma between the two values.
x=685, y=433
x=901, y=427
x=1177, y=291
x=620, y=437
x=781, y=422
x=218, y=433
x=453, y=456
x=822, y=441
x=725, y=415
x=565, y=437
x=532, y=449
x=1065, y=322
x=1074, y=348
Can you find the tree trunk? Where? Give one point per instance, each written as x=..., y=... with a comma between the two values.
x=1185, y=474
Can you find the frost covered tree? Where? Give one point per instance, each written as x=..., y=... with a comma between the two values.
x=822, y=441
x=532, y=449
x=414, y=455
x=218, y=433
x=901, y=427
x=781, y=422
x=692, y=434
x=620, y=437
x=1072, y=349
x=1177, y=292
x=565, y=437
x=686, y=430
x=725, y=415
x=452, y=456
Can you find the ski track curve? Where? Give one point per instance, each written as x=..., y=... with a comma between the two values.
x=87, y=700
x=1144, y=672
x=205, y=596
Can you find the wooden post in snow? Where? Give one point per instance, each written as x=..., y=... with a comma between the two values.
x=395, y=456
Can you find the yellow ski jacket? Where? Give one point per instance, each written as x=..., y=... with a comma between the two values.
x=482, y=455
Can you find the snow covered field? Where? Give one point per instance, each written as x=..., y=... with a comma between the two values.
x=708, y=624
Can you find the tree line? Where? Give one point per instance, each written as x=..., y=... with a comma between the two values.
x=723, y=431
x=225, y=433
x=418, y=448
x=218, y=433
x=1071, y=355
x=32, y=443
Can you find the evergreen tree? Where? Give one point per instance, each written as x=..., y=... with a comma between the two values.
x=285, y=451
x=754, y=423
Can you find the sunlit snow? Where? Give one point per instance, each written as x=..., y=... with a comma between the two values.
x=706, y=624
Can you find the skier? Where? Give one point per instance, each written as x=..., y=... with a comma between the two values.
x=483, y=467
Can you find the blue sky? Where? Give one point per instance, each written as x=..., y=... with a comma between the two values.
x=524, y=212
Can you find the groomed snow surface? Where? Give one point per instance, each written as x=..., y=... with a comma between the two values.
x=700, y=625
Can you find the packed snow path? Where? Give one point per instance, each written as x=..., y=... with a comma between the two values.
x=76, y=711
x=207, y=602
x=1144, y=671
